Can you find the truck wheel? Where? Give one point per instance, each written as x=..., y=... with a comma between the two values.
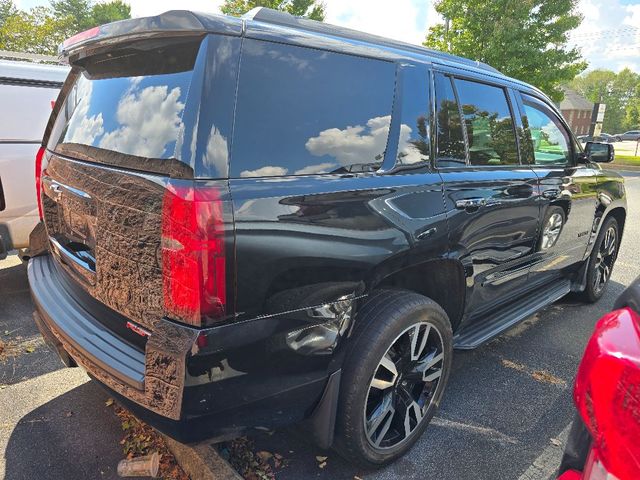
x=601, y=261
x=394, y=376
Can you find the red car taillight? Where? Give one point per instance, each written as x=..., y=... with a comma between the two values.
x=193, y=254
x=607, y=395
x=39, y=157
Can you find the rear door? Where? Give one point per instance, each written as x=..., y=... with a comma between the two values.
x=490, y=196
x=568, y=189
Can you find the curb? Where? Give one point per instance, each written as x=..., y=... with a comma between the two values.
x=201, y=461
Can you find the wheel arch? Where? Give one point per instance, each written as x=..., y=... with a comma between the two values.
x=442, y=280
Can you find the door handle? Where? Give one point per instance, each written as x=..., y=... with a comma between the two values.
x=470, y=203
x=551, y=194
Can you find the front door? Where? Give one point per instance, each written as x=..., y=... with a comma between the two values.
x=567, y=190
x=490, y=196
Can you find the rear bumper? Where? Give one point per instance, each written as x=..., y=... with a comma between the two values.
x=153, y=378
x=239, y=381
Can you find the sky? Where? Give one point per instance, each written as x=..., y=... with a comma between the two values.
x=609, y=36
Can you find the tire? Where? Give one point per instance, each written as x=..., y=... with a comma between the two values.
x=551, y=229
x=594, y=288
x=384, y=331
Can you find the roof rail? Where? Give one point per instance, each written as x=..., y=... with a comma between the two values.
x=276, y=17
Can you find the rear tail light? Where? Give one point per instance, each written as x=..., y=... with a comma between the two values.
x=39, y=158
x=193, y=254
x=607, y=395
x=595, y=470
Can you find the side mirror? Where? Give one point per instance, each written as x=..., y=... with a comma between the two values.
x=599, y=152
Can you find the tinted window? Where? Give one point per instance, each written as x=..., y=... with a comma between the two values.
x=413, y=146
x=450, y=138
x=549, y=139
x=489, y=124
x=130, y=102
x=304, y=111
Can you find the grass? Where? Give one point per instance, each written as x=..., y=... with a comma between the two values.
x=627, y=160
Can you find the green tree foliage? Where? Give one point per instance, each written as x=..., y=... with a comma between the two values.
x=525, y=39
x=620, y=91
x=102, y=13
x=86, y=14
x=7, y=9
x=313, y=9
x=42, y=29
x=36, y=31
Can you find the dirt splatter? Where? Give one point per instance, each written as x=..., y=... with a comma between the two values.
x=541, y=376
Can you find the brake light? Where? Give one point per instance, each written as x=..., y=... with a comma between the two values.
x=39, y=157
x=193, y=254
x=607, y=395
x=82, y=36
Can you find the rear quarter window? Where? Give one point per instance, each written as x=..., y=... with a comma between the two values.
x=302, y=111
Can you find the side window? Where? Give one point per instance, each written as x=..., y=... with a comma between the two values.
x=302, y=111
x=489, y=124
x=451, y=150
x=413, y=145
x=549, y=138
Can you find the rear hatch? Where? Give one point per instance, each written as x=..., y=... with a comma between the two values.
x=126, y=220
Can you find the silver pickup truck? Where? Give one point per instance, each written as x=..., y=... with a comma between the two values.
x=27, y=91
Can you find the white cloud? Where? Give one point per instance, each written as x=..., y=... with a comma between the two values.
x=268, y=171
x=605, y=37
x=315, y=169
x=217, y=151
x=354, y=144
x=150, y=119
x=83, y=129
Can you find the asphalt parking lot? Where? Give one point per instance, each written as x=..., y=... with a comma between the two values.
x=505, y=414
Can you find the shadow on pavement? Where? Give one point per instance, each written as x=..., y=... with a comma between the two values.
x=72, y=437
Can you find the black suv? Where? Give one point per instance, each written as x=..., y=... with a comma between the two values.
x=258, y=221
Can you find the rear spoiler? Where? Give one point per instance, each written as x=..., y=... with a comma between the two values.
x=168, y=24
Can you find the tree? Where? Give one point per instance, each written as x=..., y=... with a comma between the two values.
x=313, y=9
x=43, y=29
x=77, y=10
x=7, y=9
x=102, y=13
x=85, y=14
x=525, y=39
x=621, y=93
x=36, y=31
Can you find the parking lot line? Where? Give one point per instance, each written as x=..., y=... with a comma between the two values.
x=544, y=467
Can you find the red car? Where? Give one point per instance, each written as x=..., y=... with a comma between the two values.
x=604, y=443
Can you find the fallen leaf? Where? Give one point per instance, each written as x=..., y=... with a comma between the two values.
x=556, y=442
x=69, y=414
x=109, y=402
x=264, y=455
x=6, y=333
x=29, y=349
x=321, y=459
x=322, y=465
x=356, y=477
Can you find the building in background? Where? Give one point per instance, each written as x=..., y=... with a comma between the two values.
x=577, y=111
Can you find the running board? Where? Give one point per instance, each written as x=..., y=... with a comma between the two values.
x=484, y=329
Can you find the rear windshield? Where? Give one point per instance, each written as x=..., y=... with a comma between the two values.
x=127, y=105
